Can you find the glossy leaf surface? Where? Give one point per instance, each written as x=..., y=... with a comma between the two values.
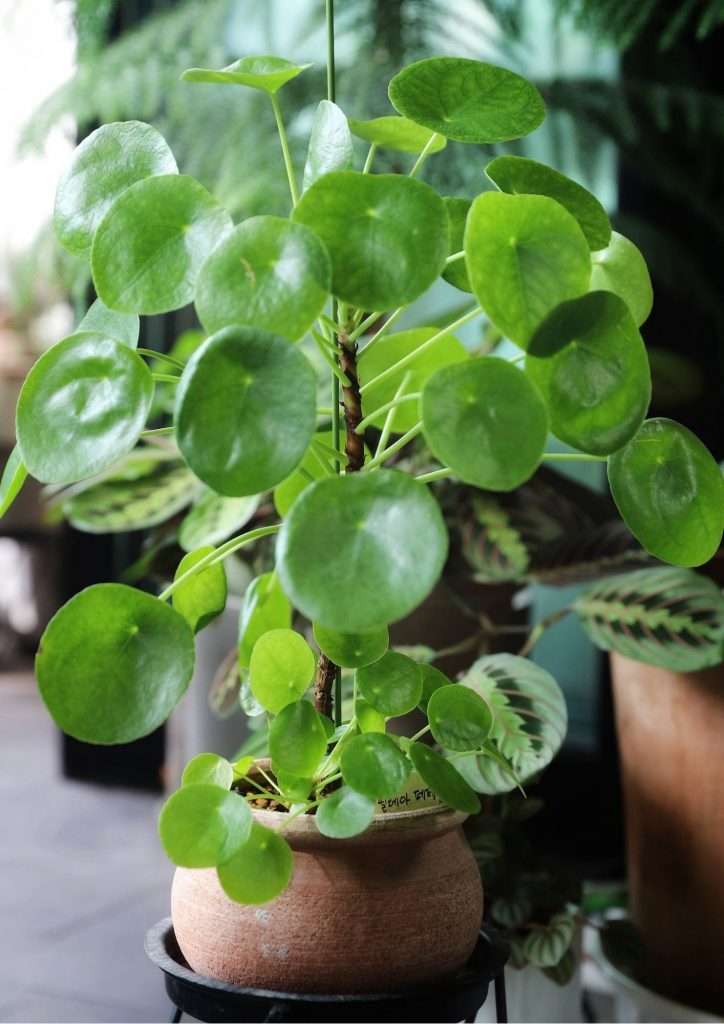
x=298, y=739
x=210, y=769
x=392, y=685
x=620, y=268
x=149, y=247
x=456, y=273
x=113, y=663
x=330, y=143
x=203, y=825
x=82, y=407
x=387, y=235
x=459, y=717
x=13, y=477
x=496, y=411
x=670, y=492
x=109, y=322
x=432, y=679
x=344, y=813
x=351, y=650
x=393, y=132
x=245, y=410
x=375, y=766
x=268, y=74
x=281, y=668
x=382, y=530
x=214, y=518
x=443, y=779
x=268, y=273
x=368, y=719
x=467, y=100
x=260, y=870
x=265, y=606
x=202, y=596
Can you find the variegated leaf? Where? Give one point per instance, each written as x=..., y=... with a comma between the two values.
x=545, y=945
x=224, y=692
x=214, y=518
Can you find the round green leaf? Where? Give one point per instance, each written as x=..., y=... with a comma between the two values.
x=388, y=351
x=202, y=596
x=113, y=663
x=374, y=766
x=82, y=407
x=443, y=779
x=297, y=738
x=293, y=786
x=368, y=719
x=203, y=825
x=268, y=74
x=344, y=813
x=13, y=478
x=214, y=518
x=265, y=606
x=524, y=255
x=392, y=685
x=387, y=235
x=104, y=165
x=210, y=769
x=245, y=410
x=517, y=174
x=281, y=668
x=459, y=718
x=382, y=530
x=393, y=132
x=486, y=421
x=260, y=870
x=112, y=324
x=432, y=679
x=351, y=650
x=149, y=247
x=267, y=273
x=670, y=492
x=330, y=143
x=456, y=273
x=467, y=100
x=597, y=386
x=620, y=268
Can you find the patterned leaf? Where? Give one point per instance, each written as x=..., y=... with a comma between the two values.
x=224, y=692
x=562, y=972
x=545, y=945
x=214, y=518
x=670, y=617
x=511, y=913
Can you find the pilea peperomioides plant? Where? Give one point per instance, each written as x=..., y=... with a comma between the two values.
x=360, y=545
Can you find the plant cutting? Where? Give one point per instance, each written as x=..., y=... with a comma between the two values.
x=359, y=545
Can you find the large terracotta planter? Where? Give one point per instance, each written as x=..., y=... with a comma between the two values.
x=671, y=737
x=399, y=905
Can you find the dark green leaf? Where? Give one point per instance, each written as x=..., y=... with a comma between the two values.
x=432, y=679
x=12, y=480
x=459, y=717
x=265, y=606
x=109, y=322
x=281, y=668
x=268, y=74
x=443, y=779
x=297, y=738
x=210, y=769
x=344, y=813
x=203, y=825
x=456, y=273
x=214, y=518
x=293, y=786
x=330, y=144
x=545, y=945
x=620, y=268
x=351, y=650
x=623, y=945
x=511, y=913
x=203, y=596
x=113, y=663
x=260, y=870
x=393, y=132
x=392, y=685
x=373, y=764
x=562, y=972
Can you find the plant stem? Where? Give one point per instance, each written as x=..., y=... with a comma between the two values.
x=395, y=447
x=218, y=555
x=572, y=457
x=330, y=359
x=411, y=356
x=167, y=377
x=455, y=257
x=424, y=155
x=285, y=149
x=419, y=734
x=162, y=357
x=537, y=632
x=391, y=320
x=517, y=359
x=384, y=408
x=328, y=449
x=370, y=158
x=157, y=432
x=436, y=474
x=390, y=418
x=329, y=322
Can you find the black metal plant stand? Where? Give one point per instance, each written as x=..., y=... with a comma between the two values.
x=215, y=1001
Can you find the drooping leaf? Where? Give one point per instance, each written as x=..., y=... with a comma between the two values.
x=517, y=174
x=673, y=618
x=82, y=406
x=260, y=870
x=373, y=765
x=344, y=813
x=150, y=245
x=443, y=779
x=268, y=74
x=245, y=410
x=620, y=268
x=498, y=412
x=524, y=255
x=330, y=143
x=213, y=518
x=393, y=132
x=446, y=351
x=383, y=530
x=670, y=492
x=392, y=684
x=113, y=663
x=372, y=226
x=109, y=322
x=545, y=945
x=281, y=668
x=467, y=100
x=265, y=606
x=268, y=273
x=202, y=825
x=202, y=597
x=456, y=273
x=459, y=717
x=351, y=650
x=104, y=165
x=13, y=477
x=209, y=769
x=297, y=738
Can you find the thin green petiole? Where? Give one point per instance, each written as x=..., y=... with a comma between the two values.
x=328, y=449
x=360, y=328
x=158, y=432
x=395, y=447
x=419, y=734
x=269, y=780
x=517, y=359
x=162, y=357
x=218, y=555
x=390, y=418
x=572, y=457
x=322, y=336
x=329, y=322
x=363, y=424
x=424, y=155
x=370, y=158
x=390, y=322
x=455, y=257
x=321, y=461
x=169, y=378
x=285, y=149
x=329, y=358
x=436, y=474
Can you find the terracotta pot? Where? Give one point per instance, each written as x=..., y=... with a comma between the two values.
x=670, y=727
x=399, y=905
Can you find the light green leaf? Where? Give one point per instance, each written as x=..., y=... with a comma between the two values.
x=524, y=256
x=467, y=100
x=293, y=786
x=113, y=663
x=242, y=766
x=545, y=945
x=670, y=492
x=203, y=596
x=109, y=322
x=392, y=685
x=459, y=717
x=268, y=273
x=373, y=765
x=456, y=273
x=149, y=247
x=82, y=406
x=281, y=668
x=330, y=144
x=203, y=825
x=382, y=529
x=287, y=492
x=297, y=738
x=12, y=480
x=268, y=74
x=214, y=518
x=104, y=165
x=620, y=268
x=368, y=719
x=245, y=410
x=443, y=779
x=265, y=606
x=351, y=650
x=260, y=870
x=373, y=227
x=393, y=132
x=210, y=769
x=344, y=813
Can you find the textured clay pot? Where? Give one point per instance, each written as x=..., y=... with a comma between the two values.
x=670, y=727
x=397, y=906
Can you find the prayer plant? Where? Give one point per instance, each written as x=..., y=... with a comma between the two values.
x=359, y=545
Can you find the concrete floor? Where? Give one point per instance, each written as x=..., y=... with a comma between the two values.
x=82, y=877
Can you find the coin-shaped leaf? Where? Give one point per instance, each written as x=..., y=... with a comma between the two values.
x=265, y=606
x=387, y=235
x=459, y=718
x=104, y=165
x=388, y=351
x=456, y=273
x=392, y=684
x=330, y=144
x=149, y=247
x=670, y=492
x=260, y=870
x=517, y=174
x=352, y=649
x=13, y=477
x=297, y=738
x=268, y=273
x=121, y=326
x=113, y=663
x=281, y=668
x=394, y=132
x=524, y=255
x=208, y=768
x=432, y=679
x=467, y=100
x=382, y=530
x=344, y=813
x=203, y=825
x=497, y=411
x=245, y=410
x=620, y=268
x=598, y=386
x=443, y=779
x=82, y=407
x=368, y=719
x=202, y=596
x=268, y=74
x=295, y=787
x=375, y=766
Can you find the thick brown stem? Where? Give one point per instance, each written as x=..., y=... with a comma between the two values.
x=324, y=685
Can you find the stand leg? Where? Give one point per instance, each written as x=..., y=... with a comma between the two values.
x=501, y=1007
x=176, y=1015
